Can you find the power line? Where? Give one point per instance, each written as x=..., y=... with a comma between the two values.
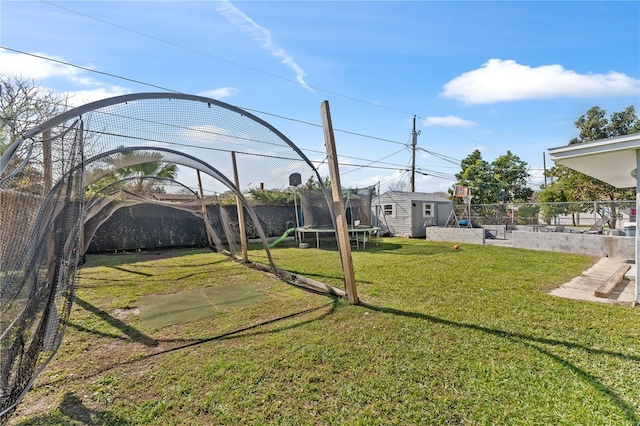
x=442, y=157
x=88, y=69
x=199, y=52
x=320, y=125
x=263, y=112
x=176, y=91
x=373, y=162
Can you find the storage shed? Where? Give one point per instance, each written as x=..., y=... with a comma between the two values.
x=407, y=214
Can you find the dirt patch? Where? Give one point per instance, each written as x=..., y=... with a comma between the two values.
x=123, y=314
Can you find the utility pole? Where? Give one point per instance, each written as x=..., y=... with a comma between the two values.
x=414, y=142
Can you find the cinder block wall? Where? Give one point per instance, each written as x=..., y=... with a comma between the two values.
x=456, y=235
x=565, y=242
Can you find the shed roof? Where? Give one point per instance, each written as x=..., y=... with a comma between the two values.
x=611, y=160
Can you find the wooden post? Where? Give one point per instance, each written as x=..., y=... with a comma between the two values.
x=342, y=231
x=205, y=215
x=46, y=161
x=243, y=234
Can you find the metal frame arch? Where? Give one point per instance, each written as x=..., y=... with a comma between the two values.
x=92, y=106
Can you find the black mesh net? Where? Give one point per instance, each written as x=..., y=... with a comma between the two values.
x=41, y=205
x=315, y=209
x=317, y=214
x=358, y=206
x=122, y=154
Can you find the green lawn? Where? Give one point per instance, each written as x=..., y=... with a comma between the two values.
x=441, y=337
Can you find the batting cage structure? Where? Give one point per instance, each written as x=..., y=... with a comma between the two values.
x=62, y=180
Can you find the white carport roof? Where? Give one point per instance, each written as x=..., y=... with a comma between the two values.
x=615, y=161
x=610, y=160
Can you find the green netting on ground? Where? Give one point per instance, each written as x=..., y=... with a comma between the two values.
x=168, y=309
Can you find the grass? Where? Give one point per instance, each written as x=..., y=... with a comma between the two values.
x=441, y=337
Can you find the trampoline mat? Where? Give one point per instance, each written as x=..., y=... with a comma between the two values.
x=168, y=309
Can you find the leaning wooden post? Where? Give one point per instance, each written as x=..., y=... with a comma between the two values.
x=205, y=215
x=342, y=232
x=243, y=234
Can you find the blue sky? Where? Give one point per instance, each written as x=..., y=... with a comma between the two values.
x=493, y=76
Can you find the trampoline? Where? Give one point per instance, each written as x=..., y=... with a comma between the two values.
x=316, y=217
x=360, y=234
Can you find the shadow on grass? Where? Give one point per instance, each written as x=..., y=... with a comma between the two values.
x=73, y=411
x=235, y=334
x=531, y=341
x=129, y=271
x=131, y=332
x=128, y=257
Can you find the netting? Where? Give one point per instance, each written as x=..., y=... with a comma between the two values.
x=358, y=206
x=315, y=209
x=41, y=201
x=317, y=214
x=121, y=154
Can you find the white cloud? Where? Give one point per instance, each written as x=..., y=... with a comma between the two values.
x=206, y=134
x=39, y=70
x=501, y=81
x=25, y=66
x=447, y=121
x=81, y=97
x=263, y=36
x=222, y=92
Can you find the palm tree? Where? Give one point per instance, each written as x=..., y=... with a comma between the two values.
x=143, y=168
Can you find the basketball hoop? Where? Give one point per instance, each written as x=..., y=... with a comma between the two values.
x=461, y=191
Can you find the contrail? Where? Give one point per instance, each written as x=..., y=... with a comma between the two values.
x=263, y=36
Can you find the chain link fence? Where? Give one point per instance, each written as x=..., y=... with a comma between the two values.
x=576, y=214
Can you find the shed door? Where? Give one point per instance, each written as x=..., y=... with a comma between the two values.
x=423, y=213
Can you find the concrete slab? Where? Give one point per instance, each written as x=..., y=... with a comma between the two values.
x=584, y=286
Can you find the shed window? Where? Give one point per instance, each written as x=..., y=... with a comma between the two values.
x=427, y=210
x=389, y=210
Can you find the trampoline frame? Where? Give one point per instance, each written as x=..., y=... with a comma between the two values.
x=359, y=233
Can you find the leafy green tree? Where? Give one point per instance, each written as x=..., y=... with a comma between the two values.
x=478, y=175
x=312, y=183
x=494, y=185
x=504, y=180
x=271, y=197
x=512, y=174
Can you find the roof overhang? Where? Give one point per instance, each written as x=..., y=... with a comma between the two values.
x=610, y=160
